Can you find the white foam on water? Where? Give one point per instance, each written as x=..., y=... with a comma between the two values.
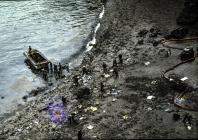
x=102, y=13
x=91, y=43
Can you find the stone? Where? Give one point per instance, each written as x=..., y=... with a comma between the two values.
x=83, y=92
x=142, y=33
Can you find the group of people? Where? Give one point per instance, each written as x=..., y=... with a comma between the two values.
x=105, y=70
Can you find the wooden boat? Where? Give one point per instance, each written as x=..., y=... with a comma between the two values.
x=36, y=59
x=185, y=103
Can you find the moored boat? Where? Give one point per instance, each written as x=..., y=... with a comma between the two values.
x=36, y=59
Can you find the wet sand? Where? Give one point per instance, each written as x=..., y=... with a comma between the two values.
x=124, y=110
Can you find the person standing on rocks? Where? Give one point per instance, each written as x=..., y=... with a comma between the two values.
x=55, y=69
x=114, y=63
x=104, y=65
x=102, y=87
x=67, y=67
x=120, y=59
x=84, y=71
x=44, y=74
x=115, y=72
x=80, y=135
x=50, y=67
x=76, y=80
x=60, y=70
x=63, y=100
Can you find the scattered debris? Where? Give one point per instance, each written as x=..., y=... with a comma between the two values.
x=106, y=75
x=171, y=79
x=125, y=117
x=183, y=79
x=168, y=110
x=150, y=97
x=114, y=93
x=90, y=127
x=149, y=109
x=114, y=99
x=82, y=118
x=153, y=82
x=187, y=121
x=92, y=109
x=147, y=63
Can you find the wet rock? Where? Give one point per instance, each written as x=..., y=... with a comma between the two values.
x=142, y=33
x=25, y=98
x=2, y=97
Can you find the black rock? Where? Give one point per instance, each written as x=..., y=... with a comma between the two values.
x=155, y=43
x=142, y=33
x=140, y=42
x=2, y=97
x=83, y=92
x=176, y=117
x=25, y=98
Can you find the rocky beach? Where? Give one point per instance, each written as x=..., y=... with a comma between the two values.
x=132, y=101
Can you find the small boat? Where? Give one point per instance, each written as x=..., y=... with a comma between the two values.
x=185, y=103
x=36, y=59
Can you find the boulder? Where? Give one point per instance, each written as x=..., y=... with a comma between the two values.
x=83, y=92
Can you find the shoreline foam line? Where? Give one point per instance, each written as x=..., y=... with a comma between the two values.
x=90, y=44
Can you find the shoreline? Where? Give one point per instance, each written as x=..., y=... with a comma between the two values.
x=123, y=110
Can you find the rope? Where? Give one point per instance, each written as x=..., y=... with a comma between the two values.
x=183, y=62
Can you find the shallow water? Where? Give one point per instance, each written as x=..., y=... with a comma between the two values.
x=58, y=28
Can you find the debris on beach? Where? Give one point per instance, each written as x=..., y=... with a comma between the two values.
x=90, y=127
x=147, y=63
x=184, y=78
x=168, y=110
x=106, y=75
x=91, y=108
x=153, y=82
x=125, y=117
x=114, y=99
x=149, y=109
x=150, y=97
